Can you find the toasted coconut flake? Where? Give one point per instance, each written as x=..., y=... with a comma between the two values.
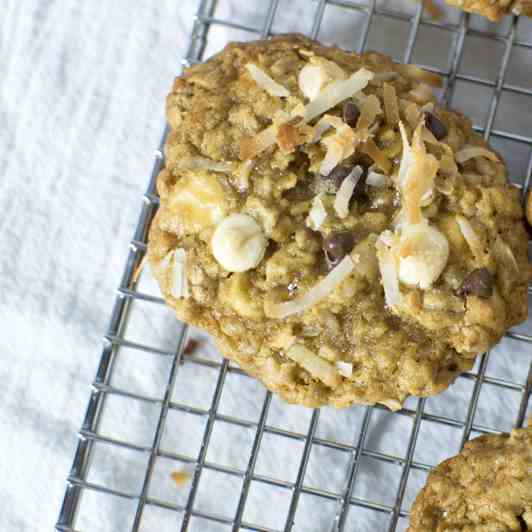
x=243, y=175
x=288, y=137
x=391, y=106
x=344, y=368
x=377, y=155
x=412, y=113
x=374, y=179
x=380, y=77
x=388, y=269
x=337, y=92
x=393, y=404
x=320, y=128
x=266, y=82
x=316, y=366
x=370, y=108
x=469, y=152
x=202, y=163
x=343, y=196
x=416, y=174
x=422, y=93
x=318, y=292
x=179, y=281
x=317, y=213
x=250, y=147
x=472, y=239
x=339, y=146
x=420, y=75
x=504, y=255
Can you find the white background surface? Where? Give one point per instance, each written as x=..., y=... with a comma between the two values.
x=81, y=108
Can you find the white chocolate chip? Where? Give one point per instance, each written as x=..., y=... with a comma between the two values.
x=238, y=243
x=423, y=253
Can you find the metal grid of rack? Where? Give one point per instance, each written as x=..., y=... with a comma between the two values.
x=345, y=500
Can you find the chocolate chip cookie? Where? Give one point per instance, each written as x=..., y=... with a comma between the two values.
x=341, y=236
x=494, y=10
x=487, y=487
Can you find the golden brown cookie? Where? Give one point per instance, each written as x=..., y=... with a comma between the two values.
x=485, y=488
x=494, y=10
x=343, y=237
x=529, y=207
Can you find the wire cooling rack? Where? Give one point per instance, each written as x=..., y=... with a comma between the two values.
x=356, y=469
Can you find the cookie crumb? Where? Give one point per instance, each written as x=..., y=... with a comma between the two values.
x=180, y=477
x=191, y=346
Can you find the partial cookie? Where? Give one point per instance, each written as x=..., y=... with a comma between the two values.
x=343, y=237
x=529, y=207
x=485, y=488
x=494, y=10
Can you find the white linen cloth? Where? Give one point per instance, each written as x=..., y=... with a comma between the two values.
x=81, y=108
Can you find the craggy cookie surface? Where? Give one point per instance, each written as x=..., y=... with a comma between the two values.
x=342, y=237
x=485, y=488
x=494, y=10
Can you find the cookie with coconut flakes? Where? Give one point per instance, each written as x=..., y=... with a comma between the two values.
x=494, y=10
x=340, y=235
x=486, y=487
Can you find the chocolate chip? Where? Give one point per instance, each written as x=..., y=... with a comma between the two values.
x=479, y=283
x=350, y=114
x=336, y=246
x=359, y=192
x=522, y=523
x=338, y=174
x=435, y=126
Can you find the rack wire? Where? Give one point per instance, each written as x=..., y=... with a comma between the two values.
x=345, y=498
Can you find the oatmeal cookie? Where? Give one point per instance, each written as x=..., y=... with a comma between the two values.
x=494, y=10
x=343, y=237
x=529, y=207
x=485, y=488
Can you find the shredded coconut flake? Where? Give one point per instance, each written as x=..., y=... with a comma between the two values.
x=317, y=213
x=416, y=174
x=202, y=163
x=344, y=368
x=251, y=147
x=391, y=105
x=343, y=196
x=316, y=366
x=472, y=239
x=339, y=146
x=374, y=179
x=469, y=152
x=370, y=108
x=179, y=281
x=377, y=155
x=422, y=93
x=388, y=269
x=418, y=74
x=320, y=128
x=266, y=82
x=318, y=292
x=337, y=92
x=504, y=254
x=243, y=175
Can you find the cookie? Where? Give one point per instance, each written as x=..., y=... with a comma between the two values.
x=341, y=236
x=494, y=10
x=529, y=207
x=486, y=487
